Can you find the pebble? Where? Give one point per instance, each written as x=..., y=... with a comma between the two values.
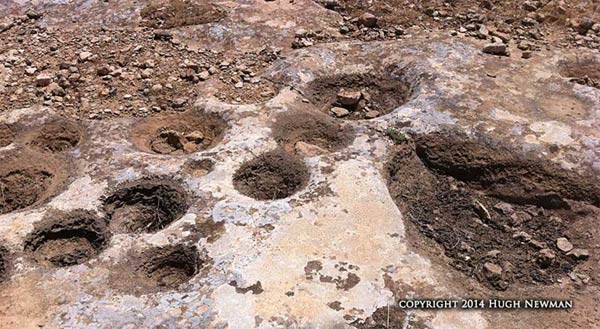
x=43, y=80
x=498, y=49
x=367, y=20
x=579, y=254
x=564, y=245
x=492, y=271
x=348, y=98
x=340, y=112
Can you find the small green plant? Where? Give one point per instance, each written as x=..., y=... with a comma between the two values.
x=397, y=136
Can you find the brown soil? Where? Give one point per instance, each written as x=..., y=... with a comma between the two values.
x=169, y=267
x=57, y=136
x=312, y=128
x=198, y=168
x=179, y=133
x=27, y=179
x=146, y=205
x=392, y=317
x=7, y=136
x=485, y=205
x=66, y=239
x=272, y=175
x=252, y=92
x=3, y=263
x=380, y=93
x=585, y=71
x=176, y=13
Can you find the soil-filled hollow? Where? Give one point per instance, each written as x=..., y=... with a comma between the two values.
x=170, y=266
x=179, y=133
x=29, y=178
x=56, y=136
x=145, y=206
x=359, y=96
x=198, y=168
x=310, y=132
x=176, y=13
x=581, y=70
x=497, y=215
x=272, y=175
x=67, y=238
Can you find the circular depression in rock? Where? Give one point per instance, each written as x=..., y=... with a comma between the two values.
x=358, y=96
x=66, y=239
x=198, y=168
x=179, y=133
x=176, y=13
x=581, y=70
x=310, y=133
x=145, y=206
x=7, y=135
x=272, y=175
x=169, y=267
x=27, y=179
x=56, y=136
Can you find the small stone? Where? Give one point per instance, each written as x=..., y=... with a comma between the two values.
x=204, y=75
x=179, y=102
x=585, y=25
x=492, y=271
x=498, y=49
x=157, y=88
x=147, y=73
x=579, y=254
x=519, y=217
x=85, y=56
x=30, y=70
x=504, y=208
x=55, y=89
x=195, y=137
x=493, y=253
x=102, y=71
x=348, y=98
x=340, y=112
x=526, y=55
x=372, y=114
x=564, y=245
x=367, y=20
x=546, y=257
x=43, y=80
x=163, y=35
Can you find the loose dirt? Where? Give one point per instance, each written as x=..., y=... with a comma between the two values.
x=312, y=128
x=497, y=216
x=168, y=267
x=272, y=175
x=28, y=178
x=3, y=263
x=66, y=239
x=57, y=136
x=179, y=133
x=198, y=168
x=360, y=96
x=176, y=13
x=7, y=136
x=145, y=206
x=584, y=71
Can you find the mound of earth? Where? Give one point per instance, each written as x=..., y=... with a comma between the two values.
x=298, y=130
x=501, y=218
x=272, y=175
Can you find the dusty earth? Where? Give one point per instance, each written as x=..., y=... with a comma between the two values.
x=298, y=164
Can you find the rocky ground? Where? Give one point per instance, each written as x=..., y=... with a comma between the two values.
x=297, y=163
